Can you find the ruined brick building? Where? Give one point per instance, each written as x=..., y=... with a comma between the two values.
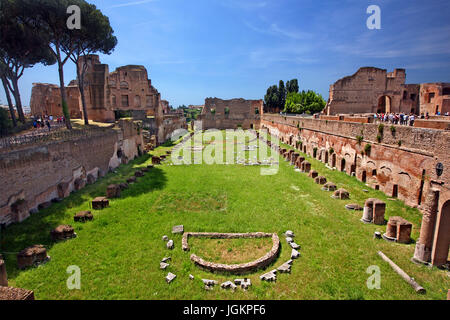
x=374, y=90
x=231, y=114
x=127, y=89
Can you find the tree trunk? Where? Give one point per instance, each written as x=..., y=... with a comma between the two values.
x=80, y=75
x=16, y=94
x=8, y=97
x=63, y=92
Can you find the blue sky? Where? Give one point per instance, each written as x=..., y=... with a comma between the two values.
x=237, y=48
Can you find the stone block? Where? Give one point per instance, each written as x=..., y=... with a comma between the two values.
x=63, y=232
x=341, y=194
x=289, y=240
x=156, y=160
x=3, y=274
x=294, y=246
x=131, y=180
x=329, y=186
x=139, y=174
x=123, y=186
x=163, y=266
x=100, y=203
x=32, y=256
x=320, y=180
x=290, y=234
x=313, y=174
x=165, y=260
x=170, y=277
x=15, y=294
x=379, y=209
x=228, y=285
x=178, y=229
x=404, y=229
x=113, y=191
x=269, y=276
x=306, y=167
x=83, y=216
x=295, y=254
x=285, y=268
x=165, y=238
x=170, y=245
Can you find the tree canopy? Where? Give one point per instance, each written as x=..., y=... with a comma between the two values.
x=304, y=102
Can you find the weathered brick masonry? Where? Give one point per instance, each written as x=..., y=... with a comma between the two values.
x=33, y=176
x=406, y=170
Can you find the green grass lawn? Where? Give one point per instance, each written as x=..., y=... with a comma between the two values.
x=119, y=252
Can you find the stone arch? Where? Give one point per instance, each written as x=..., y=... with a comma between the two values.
x=384, y=104
x=364, y=176
x=343, y=164
x=326, y=157
x=333, y=160
x=442, y=236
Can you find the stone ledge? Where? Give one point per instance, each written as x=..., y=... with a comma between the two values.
x=235, y=268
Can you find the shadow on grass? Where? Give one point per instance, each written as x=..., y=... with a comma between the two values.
x=36, y=229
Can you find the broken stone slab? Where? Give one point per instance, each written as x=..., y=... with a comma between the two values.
x=163, y=265
x=191, y=277
x=295, y=254
x=294, y=245
x=170, y=245
x=290, y=234
x=289, y=240
x=269, y=276
x=228, y=285
x=113, y=191
x=377, y=235
x=165, y=238
x=353, y=206
x=210, y=283
x=178, y=229
x=165, y=260
x=170, y=277
x=285, y=268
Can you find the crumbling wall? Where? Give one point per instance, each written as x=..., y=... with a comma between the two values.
x=33, y=176
x=402, y=165
x=241, y=113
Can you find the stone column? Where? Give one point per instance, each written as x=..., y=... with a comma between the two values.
x=379, y=209
x=425, y=244
x=3, y=275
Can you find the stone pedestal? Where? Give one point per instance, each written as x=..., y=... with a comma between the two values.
x=113, y=191
x=341, y=194
x=156, y=160
x=100, y=203
x=399, y=230
x=31, y=256
x=379, y=209
x=320, y=180
x=313, y=174
x=3, y=274
x=306, y=167
x=329, y=186
x=63, y=232
x=299, y=162
x=139, y=174
x=83, y=216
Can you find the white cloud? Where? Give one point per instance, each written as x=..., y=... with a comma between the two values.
x=129, y=4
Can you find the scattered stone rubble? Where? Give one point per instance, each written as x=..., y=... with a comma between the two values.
x=63, y=232
x=83, y=216
x=32, y=256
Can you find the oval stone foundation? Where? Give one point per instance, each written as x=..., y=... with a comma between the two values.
x=234, y=268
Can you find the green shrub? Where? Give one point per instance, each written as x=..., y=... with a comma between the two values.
x=400, y=143
x=331, y=151
x=379, y=138
x=367, y=148
x=359, y=139
x=393, y=129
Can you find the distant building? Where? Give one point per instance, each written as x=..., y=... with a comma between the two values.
x=374, y=90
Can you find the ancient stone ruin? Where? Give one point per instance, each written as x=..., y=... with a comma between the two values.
x=398, y=230
x=100, y=203
x=63, y=232
x=32, y=256
x=83, y=216
x=113, y=191
x=236, y=268
x=341, y=194
x=374, y=210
